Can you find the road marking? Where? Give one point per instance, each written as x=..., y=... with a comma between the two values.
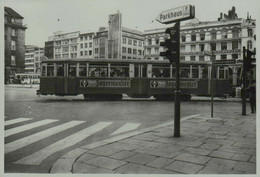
x=37, y=157
x=28, y=127
x=14, y=121
x=20, y=143
x=126, y=127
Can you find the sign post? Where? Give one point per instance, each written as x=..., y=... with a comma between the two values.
x=175, y=15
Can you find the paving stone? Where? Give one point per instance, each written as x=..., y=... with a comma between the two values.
x=80, y=167
x=247, y=167
x=122, y=155
x=125, y=146
x=218, y=170
x=160, y=162
x=86, y=157
x=253, y=159
x=184, y=167
x=241, y=144
x=74, y=153
x=190, y=143
x=197, y=151
x=251, y=151
x=145, y=150
x=233, y=149
x=131, y=168
x=222, y=154
x=105, y=150
x=219, y=141
x=210, y=146
x=62, y=166
x=192, y=158
x=147, y=137
x=140, y=158
x=164, y=153
x=241, y=157
x=223, y=163
x=105, y=162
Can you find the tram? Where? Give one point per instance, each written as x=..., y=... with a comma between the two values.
x=110, y=78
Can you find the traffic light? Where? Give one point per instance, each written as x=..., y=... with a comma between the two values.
x=248, y=60
x=172, y=44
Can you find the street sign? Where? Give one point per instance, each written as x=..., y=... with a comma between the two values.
x=176, y=14
x=232, y=61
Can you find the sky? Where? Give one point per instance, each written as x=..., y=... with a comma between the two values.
x=43, y=17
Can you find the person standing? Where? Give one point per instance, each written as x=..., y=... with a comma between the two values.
x=252, y=97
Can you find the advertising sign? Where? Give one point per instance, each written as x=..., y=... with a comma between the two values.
x=171, y=84
x=105, y=83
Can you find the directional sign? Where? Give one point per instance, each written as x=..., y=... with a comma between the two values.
x=176, y=14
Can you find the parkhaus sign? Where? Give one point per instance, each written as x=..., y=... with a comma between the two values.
x=176, y=14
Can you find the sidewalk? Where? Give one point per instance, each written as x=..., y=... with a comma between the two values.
x=22, y=86
x=225, y=144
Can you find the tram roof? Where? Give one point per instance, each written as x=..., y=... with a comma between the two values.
x=121, y=61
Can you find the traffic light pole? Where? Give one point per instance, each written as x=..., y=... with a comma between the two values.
x=177, y=90
x=244, y=83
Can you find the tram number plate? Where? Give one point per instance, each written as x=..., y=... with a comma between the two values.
x=171, y=84
x=105, y=83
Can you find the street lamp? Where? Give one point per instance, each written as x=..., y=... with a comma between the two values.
x=210, y=53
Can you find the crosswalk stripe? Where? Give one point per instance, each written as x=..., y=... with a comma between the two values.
x=18, y=120
x=28, y=127
x=10, y=147
x=37, y=157
x=126, y=127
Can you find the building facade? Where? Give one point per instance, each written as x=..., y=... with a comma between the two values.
x=33, y=58
x=223, y=38
x=14, y=43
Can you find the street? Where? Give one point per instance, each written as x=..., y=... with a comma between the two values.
x=38, y=130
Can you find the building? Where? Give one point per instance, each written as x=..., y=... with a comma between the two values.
x=14, y=43
x=224, y=38
x=113, y=41
x=33, y=58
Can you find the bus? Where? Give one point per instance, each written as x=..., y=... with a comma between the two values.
x=26, y=78
x=110, y=78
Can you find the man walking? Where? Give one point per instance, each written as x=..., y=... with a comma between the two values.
x=252, y=96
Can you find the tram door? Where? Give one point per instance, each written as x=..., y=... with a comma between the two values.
x=140, y=73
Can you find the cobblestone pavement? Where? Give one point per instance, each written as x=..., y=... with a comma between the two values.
x=225, y=144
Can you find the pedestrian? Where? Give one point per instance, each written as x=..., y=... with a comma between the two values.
x=252, y=96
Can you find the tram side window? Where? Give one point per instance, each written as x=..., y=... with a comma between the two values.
x=119, y=70
x=50, y=70
x=221, y=73
x=44, y=70
x=98, y=71
x=72, y=69
x=160, y=71
x=185, y=72
x=60, y=69
x=204, y=71
x=195, y=72
x=82, y=70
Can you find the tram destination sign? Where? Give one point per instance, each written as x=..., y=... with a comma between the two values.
x=176, y=14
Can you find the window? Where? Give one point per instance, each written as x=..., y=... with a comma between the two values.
x=81, y=46
x=193, y=37
x=140, y=43
x=192, y=48
x=148, y=51
x=234, y=45
x=124, y=40
x=160, y=71
x=223, y=46
x=223, y=57
x=157, y=51
x=250, y=32
x=73, y=55
x=65, y=55
x=139, y=52
x=156, y=41
x=73, y=48
x=50, y=70
x=183, y=48
x=192, y=58
x=149, y=41
x=249, y=44
x=90, y=52
x=90, y=44
x=82, y=70
x=86, y=45
x=224, y=35
x=90, y=37
x=96, y=42
x=72, y=69
x=81, y=38
x=124, y=49
x=13, y=45
x=117, y=70
x=86, y=53
x=130, y=41
x=57, y=56
x=182, y=58
x=81, y=53
x=129, y=50
x=183, y=38
x=213, y=46
x=60, y=69
x=13, y=32
x=202, y=36
x=134, y=51
x=212, y=57
x=235, y=56
x=86, y=38
x=202, y=47
x=13, y=60
x=135, y=43
x=96, y=50
x=201, y=58
x=213, y=35
x=235, y=33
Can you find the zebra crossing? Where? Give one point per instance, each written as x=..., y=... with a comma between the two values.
x=36, y=158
